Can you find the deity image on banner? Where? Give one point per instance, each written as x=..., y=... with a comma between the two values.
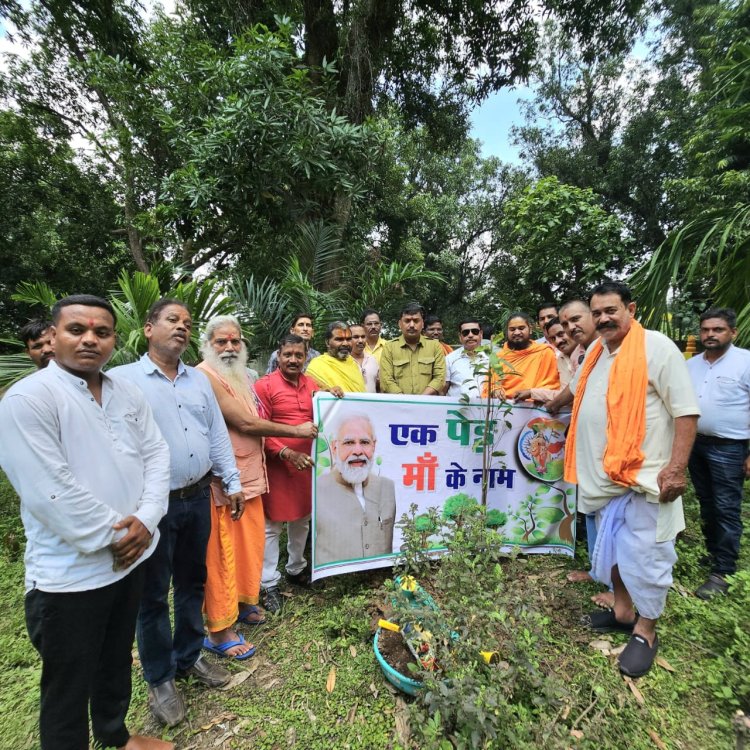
x=541, y=447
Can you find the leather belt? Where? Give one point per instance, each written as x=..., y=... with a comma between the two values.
x=714, y=440
x=191, y=489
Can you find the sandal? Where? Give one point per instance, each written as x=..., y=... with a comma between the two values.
x=605, y=622
x=222, y=648
x=252, y=615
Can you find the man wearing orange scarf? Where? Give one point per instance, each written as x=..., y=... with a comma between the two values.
x=633, y=425
x=234, y=558
x=534, y=365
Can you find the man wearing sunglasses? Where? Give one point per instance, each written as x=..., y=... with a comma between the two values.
x=466, y=368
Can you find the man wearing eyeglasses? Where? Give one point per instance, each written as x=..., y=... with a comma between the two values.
x=466, y=368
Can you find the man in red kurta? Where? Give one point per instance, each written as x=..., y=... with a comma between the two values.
x=286, y=398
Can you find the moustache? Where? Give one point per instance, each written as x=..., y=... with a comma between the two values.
x=605, y=326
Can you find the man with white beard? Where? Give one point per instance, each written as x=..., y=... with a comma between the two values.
x=234, y=559
x=355, y=510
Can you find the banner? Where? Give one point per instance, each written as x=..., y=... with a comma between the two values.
x=378, y=455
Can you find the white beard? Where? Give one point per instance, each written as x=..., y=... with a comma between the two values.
x=232, y=369
x=353, y=475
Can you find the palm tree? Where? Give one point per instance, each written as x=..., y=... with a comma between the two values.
x=716, y=244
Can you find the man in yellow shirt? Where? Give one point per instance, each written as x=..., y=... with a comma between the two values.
x=412, y=363
x=337, y=367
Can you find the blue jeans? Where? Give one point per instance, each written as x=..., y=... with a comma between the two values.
x=179, y=557
x=718, y=475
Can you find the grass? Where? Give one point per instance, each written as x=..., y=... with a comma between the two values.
x=285, y=697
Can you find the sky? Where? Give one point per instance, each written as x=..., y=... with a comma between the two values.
x=492, y=120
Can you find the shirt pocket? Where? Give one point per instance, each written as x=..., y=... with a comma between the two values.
x=728, y=391
x=196, y=412
x=425, y=367
x=400, y=366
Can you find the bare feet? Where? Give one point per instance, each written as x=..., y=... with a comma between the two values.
x=139, y=742
x=227, y=636
x=605, y=600
x=579, y=576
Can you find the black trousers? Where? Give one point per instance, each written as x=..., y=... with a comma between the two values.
x=85, y=639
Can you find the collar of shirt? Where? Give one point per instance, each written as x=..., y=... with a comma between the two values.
x=151, y=368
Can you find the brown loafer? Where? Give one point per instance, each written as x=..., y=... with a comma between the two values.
x=166, y=703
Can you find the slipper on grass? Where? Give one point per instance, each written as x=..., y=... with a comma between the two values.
x=222, y=648
x=638, y=656
x=605, y=622
x=247, y=614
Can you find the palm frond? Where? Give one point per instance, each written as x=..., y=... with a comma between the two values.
x=36, y=293
x=318, y=250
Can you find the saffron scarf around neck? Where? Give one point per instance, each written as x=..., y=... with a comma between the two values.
x=626, y=409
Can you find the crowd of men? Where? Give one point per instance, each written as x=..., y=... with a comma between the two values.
x=157, y=474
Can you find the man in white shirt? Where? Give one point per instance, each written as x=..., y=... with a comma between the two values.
x=466, y=368
x=92, y=470
x=719, y=462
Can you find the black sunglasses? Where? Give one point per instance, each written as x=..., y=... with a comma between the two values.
x=470, y=331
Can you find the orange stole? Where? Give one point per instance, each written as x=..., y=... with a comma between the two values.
x=626, y=409
x=234, y=561
x=536, y=367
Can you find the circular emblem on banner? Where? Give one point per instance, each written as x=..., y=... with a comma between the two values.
x=541, y=448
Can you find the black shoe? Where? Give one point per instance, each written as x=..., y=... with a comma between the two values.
x=604, y=621
x=638, y=656
x=272, y=601
x=712, y=587
x=211, y=675
x=301, y=579
x=166, y=703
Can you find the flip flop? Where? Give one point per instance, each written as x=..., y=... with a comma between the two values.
x=605, y=622
x=222, y=648
x=251, y=610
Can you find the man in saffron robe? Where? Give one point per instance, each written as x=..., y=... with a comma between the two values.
x=534, y=365
x=286, y=398
x=337, y=367
x=633, y=425
x=234, y=558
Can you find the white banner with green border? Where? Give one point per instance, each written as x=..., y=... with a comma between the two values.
x=376, y=455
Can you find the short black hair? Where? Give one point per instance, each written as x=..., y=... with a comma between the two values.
x=301, y=315
x=367, y=312
x=554, y=322
x=89, y=300
x=570, y=302
x=337, y=325
x=545, y=306
x=155, y=310
x=725, y=313
x=33, y=330
x=462, y=323
x=290, y=339
x=411, y=308
x=432, y=318
x=519, y=314
x=488, y=330
x=613, y=287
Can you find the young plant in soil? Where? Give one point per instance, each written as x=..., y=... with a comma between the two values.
x=466, y=702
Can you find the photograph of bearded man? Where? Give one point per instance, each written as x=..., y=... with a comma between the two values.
x=355, y=509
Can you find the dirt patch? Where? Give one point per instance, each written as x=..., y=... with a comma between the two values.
x=394, y=650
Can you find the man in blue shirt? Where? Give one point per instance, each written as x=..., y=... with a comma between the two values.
x=719, y=461
x=189, y=417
